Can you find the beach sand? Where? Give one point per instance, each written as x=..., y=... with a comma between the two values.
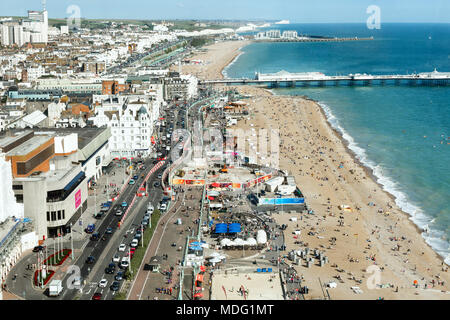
x=329, y=176
x=215, y=58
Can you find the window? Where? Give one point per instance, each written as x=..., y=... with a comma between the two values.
x=48, y=215
x=18, y=187
x=53, y=215
x=64, y=214
x=24, y=168
x=59, y=214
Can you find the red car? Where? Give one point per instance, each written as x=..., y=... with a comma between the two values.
x=97, y=296
x=131, y=252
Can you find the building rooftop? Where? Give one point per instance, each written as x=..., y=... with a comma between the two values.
x=29, y=145
x=6, y=227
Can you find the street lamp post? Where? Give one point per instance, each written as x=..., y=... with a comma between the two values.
x=71, y=238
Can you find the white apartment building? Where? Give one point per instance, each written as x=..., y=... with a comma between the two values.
x=289, y=34
x=35, y=72
x=132, y=120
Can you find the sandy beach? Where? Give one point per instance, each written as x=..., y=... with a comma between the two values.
x=373, y=232
x=215, y=58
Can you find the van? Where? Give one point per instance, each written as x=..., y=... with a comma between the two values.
x=77, y=282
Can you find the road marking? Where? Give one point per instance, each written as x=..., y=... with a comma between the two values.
x=165, y=225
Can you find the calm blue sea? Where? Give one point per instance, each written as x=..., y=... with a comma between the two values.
x=401, y=132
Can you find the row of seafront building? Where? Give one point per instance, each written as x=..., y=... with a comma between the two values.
x=69, y=106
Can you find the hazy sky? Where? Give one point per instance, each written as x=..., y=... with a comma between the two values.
x=293, y=10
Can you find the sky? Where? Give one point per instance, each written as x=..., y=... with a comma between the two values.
x=300, y=11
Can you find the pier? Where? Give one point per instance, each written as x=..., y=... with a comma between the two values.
x=286, y=79
x=310, y=39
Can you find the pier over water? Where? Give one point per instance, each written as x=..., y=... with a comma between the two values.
x=286, y=79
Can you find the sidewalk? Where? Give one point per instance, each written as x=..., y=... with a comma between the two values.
x=104, y=190
x=141, y=277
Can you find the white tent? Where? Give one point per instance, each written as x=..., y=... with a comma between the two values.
x=214, y=255
x=215, y=260
x=261, y=237
x=225, y=242
x=252, y=241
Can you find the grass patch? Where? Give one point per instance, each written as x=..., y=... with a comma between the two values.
x=38, y=275
x=58, y=258
x=140, y=250
x=120, y=296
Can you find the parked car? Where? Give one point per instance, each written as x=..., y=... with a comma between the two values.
x=131, y=182
x=134, y=243
x=115, y=286
x=109, y=230
x=122, y=247
x=38, y=248
x=124, y=263
x=116, y=258
x=119, y=276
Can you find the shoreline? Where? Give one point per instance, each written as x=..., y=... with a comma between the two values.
x=369, y=171
x=422, y=261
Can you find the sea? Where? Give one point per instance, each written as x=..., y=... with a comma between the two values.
x=401, y=132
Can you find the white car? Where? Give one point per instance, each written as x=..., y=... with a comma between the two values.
x=122, y=247
x=134, y=243
x=125, y=262
x=103, y=283
x=150, y=210
x=116, y=258
x=163, y=207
